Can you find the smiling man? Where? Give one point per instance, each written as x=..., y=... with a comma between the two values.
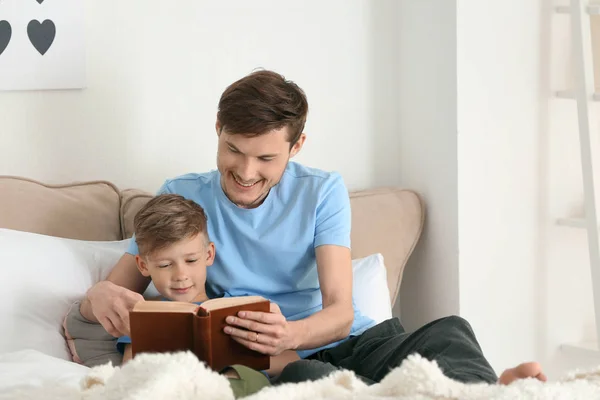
x=282, y=230
x=251, y=165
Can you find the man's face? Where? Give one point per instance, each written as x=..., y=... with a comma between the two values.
x=251, y=165
x=178, y=271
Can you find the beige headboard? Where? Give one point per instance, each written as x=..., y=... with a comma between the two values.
x=386, y=220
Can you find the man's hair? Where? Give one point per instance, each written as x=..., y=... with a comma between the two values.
x=261, y=102
x=165, y=220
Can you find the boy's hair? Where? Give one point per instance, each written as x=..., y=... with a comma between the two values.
x=261, y=102
x=167, y=219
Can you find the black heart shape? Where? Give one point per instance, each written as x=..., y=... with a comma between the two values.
x=40, y=1
x=5, y=35
x=41, y=35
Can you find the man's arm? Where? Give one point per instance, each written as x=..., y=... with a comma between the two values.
x=109, y=302
x=333, y=322
x=271, y=333
x=334, y=267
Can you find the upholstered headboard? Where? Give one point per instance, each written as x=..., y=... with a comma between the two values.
x=385, y=220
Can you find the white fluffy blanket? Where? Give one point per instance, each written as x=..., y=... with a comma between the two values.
x=181, y=377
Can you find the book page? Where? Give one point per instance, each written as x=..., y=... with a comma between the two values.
x=224, y=302
x=166, y=306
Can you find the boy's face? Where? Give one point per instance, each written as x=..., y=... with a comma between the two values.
x=251, y=165
x=179, y=271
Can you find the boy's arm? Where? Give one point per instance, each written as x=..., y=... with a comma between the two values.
x=127, y=355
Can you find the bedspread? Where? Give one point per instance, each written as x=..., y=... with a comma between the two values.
x=180, y=376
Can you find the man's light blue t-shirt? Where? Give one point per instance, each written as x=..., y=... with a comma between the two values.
x=270, y=250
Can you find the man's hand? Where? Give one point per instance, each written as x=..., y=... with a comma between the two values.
x=267, y=333
x=111, y=304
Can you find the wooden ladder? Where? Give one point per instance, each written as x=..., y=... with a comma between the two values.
x=583, y=93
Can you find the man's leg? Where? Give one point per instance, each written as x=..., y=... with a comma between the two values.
x=308, y=370
x=449, y=341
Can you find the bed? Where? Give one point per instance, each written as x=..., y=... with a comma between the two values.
x=58, y=240
x=64, y=238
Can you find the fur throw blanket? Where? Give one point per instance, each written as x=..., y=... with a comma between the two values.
x=180, y=376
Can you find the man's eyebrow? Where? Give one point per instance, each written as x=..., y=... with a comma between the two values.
x=232, y=145
x=261, y=156
x=268, y=156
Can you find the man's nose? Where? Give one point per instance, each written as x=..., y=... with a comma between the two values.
x=247, y=170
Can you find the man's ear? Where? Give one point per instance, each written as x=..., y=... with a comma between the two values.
x=210, y=254
x=142, y=266
x=298, y=145
x=218, y=127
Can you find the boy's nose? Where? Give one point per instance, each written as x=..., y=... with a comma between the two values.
x=179, y=274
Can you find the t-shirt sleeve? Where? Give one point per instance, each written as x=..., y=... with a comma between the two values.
x=133, y=247
x=121, y=342
x=333, y=219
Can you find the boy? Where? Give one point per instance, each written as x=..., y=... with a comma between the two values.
x=174, y=252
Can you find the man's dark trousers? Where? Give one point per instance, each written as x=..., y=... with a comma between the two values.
x=449, y=341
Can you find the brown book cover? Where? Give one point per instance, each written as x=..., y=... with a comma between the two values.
x=169, y=326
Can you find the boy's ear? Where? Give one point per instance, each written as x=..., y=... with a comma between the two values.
x=210, y=254
x=142, y=266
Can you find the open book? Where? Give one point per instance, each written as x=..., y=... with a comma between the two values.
x=169, y=326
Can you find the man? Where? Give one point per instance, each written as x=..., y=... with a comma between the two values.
x=283, y=231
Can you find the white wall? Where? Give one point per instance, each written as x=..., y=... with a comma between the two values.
x=501, y=121
x=449, y=98
x=524, y=281
x=497, y=159
x=427, y=156
x=156, y=69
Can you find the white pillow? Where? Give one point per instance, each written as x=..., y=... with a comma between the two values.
x=43, y=276
x=31, y=368
x=370, y=289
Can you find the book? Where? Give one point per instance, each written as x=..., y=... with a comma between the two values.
x=170, y=326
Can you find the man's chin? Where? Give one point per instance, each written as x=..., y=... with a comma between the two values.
x=246, y=199
x=248, y=202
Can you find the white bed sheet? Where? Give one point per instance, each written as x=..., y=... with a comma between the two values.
x=32, y=368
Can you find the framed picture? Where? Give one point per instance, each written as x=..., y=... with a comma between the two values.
x=42, y=44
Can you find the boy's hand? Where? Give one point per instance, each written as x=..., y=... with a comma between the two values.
x=127, y=354
x=267, y=333
x=111, y=304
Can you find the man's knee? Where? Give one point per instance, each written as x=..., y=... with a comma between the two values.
x=453, y=321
